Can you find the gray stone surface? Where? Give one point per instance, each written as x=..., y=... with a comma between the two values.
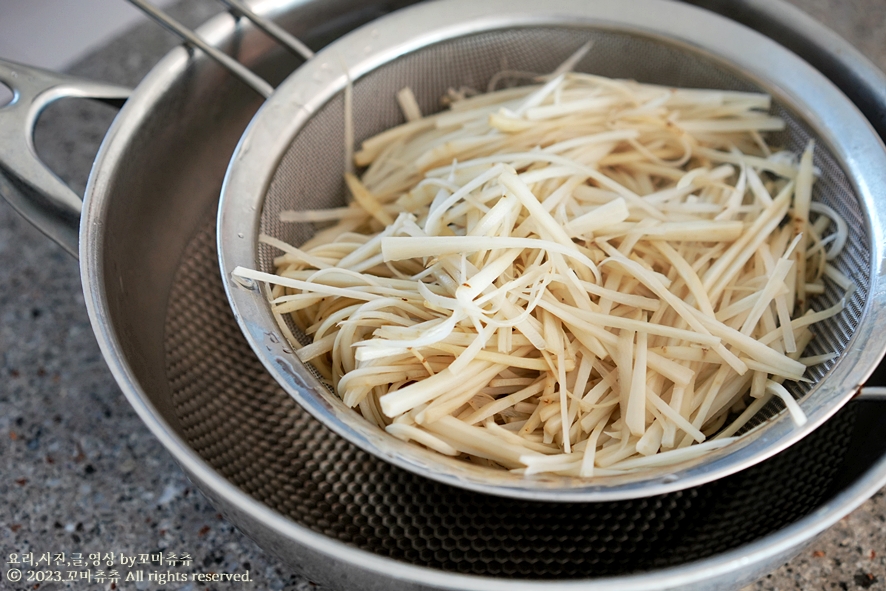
x=80, y=473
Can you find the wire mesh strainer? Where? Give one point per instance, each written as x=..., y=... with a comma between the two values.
x=292, y=157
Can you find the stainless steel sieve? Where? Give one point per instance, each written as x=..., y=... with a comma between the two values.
x=292, y=157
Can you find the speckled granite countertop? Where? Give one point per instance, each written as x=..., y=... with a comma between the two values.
x=80, y=473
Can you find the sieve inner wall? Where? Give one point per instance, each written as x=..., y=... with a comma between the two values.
x=310, y=173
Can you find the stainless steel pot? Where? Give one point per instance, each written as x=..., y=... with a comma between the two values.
x=146, y=228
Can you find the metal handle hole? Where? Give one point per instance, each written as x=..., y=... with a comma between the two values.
x=72, y=121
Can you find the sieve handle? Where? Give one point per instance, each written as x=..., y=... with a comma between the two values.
x=25, y=181
x=255, y=82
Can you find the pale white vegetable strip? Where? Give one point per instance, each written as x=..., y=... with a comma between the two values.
x=753, y=408
x=842, y=233
x=816, y=359
x=537, y=213
x=674, y=456
x=636, y=301
x=559, y=463
x=303, y=285
x=408, y=104
x=566, y=108
x=635, y=417
x=612, y=321
x=295, y=252
x=623, y=356
x=769, y=292
x=688, y=274
x=501, y=404
x=529, y=157
x=399, y=248
x=531, y=363
x=802, y=200
x=769, y=164
x=674, y=416
x=521, y=442
x=408, y=432
x=587, y=462
x=650, y=442
x=433, y=219
x=411, y=396
x=595, y=138
x=367, y=200
x=796, y=412
x=781, y=304
x=693, y=230
x=759, y=124
x=805, y=320
x=317, y=348
x=758, y=368
x=537, y=97
x=455, y=397
x=477, y=441
x=753, y=348
x=570, y=62
x=839, y=278
x=600, y=217
x=322, y=215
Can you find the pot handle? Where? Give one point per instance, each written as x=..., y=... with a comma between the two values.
x=872, y=394
x=25, y=181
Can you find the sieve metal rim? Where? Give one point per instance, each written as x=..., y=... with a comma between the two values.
x=851, y=139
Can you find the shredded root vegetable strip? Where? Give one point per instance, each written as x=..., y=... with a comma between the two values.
x=399, y=248
x=800, y=218
x=367, y=200
x=408, y=104
x=408, y=432
x=796, y=412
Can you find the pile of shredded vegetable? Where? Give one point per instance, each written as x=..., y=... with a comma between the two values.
x=584, y=277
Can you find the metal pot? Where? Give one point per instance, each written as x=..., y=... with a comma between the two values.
x=147, y=221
